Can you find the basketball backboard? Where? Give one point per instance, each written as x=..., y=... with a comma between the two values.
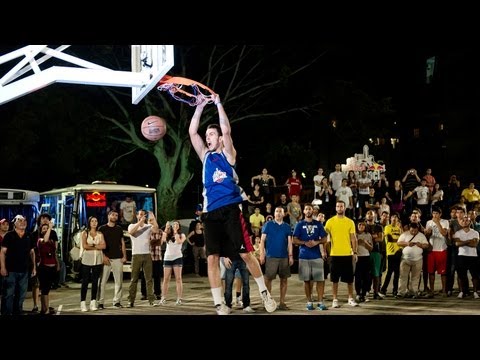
x=30, y=71
x=154, y=61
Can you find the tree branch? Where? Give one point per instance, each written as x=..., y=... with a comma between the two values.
x=250, y=116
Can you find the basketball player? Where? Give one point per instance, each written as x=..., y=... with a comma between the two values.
x=225, y=230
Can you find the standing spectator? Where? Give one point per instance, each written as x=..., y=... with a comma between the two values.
x=409, y=182
x=267, y=184
x=283, y=203
x=255, y=199
x=466, y=239
x=140, y=234
x=352, y=184
x=256, y=221
x=173, y=260
x=437, y=197
x=376, y=231
x=384, y=207
x=343, y=253
x=48, y=265
x=344, y=193
x=232, y=268
x=197, y=240
x=363, y=183
x=157, y=263
x=335, y=178
x=157, y=249
x=128, y=208
x=224, y=225
x=42, y=219
x=381, y=185
x=294, y=210
x=437, y=233
x=413, y=243
x=276, y=252
x=422, y=195
x=4, y=227
x=114, y=256
x=92, y=262
x=294, y=185
x=362, y=267
x=453, y=191
x=395, y=196
x=16, y=255
x=394, y=254
x=317, y=181
x=471, y=195
x=430, y=180
x=309, y=234
x=327, y=195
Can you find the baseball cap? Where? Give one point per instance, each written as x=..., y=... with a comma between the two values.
x=3, y=220
x=18, y=217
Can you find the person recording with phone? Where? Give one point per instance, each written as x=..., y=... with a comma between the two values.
x=140, y=233
x=409, y=182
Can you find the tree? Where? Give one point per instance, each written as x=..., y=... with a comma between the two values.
x=250, y=80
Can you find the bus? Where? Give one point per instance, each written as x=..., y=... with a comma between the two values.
x=70, y=208
x=20, y=202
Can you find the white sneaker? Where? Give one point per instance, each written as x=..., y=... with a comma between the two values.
x=475, y=295
x=83, y=306
x=268, y=302
x=223, y=309
x=352, y=302
x=93, y=305
x=335, y=303
x=162, y=301
x=249, y=310
x=178, y=302
x=460, y=295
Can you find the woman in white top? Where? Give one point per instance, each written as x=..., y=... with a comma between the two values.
x=173, y=259
x=92, y=262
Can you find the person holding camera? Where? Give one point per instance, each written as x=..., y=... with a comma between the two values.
x=140, y=233
x=409, y=182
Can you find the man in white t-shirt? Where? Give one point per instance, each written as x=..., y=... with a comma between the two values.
x=317, y=180
x=336, y=177
x=413, y=243
x=140, y=233
x=344, y=193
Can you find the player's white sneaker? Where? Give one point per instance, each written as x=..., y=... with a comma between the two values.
x=268, y=302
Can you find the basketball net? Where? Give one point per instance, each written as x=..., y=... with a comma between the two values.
x=186, y=90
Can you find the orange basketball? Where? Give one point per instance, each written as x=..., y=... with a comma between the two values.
x=154, y=128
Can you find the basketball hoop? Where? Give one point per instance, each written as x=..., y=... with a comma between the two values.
x=186, y=90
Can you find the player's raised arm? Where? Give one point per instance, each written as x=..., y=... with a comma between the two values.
x=229, y=149
x=197, y=141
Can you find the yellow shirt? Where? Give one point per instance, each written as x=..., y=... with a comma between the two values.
x=340, y=230
x=395, y=232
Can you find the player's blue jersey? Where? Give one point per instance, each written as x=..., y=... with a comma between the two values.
x=220, y=182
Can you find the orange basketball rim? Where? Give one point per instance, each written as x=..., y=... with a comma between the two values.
x=186, y=90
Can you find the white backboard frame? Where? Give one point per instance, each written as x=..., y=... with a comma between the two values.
x=29, y=74
x=154, y=61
